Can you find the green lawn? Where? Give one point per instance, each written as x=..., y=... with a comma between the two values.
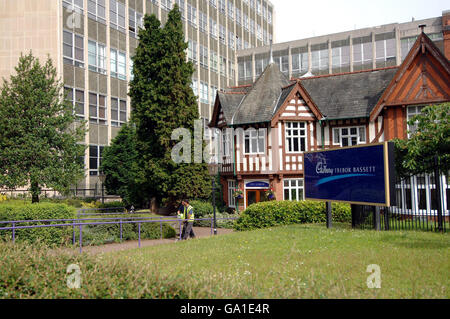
x=304, y=261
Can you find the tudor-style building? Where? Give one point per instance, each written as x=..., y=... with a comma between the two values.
x=268, y=126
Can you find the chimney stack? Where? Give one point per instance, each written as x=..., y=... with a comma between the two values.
x=446, y=32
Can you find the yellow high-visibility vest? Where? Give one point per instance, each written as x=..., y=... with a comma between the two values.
x=189, y=210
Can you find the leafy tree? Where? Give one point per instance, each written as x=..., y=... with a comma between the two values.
x=38, y=132
x=119, y=164
x=431, y=139
x=163, y=101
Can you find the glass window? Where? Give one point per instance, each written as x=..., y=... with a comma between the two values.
x=255, y=141
x=97, y=108
x=293, y=189
x=295, y=137
x=118, y=111
x=232, y=188
x=95, y=159
x=349, y=136
x=73, y=49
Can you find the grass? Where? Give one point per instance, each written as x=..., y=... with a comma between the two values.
x=298, y=261
x=305, y=261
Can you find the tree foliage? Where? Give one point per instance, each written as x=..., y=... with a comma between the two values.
x=431, y=139
x=162, y=101
x=120, y=166
x=38, y=132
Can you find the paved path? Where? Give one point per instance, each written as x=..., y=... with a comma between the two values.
x=200, y=232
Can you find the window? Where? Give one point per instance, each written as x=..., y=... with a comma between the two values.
x=260, y=65
x=222, y=6
x=131, y=64
x=362, y=53
x=406, y=45
x=293, y=190
x=73, y=5
x=255, y=141
x=192, y=50
x=300, y=62
x=203, y=56
x=349, y=136
x=246, y=22
x=73, y=49
x=214, y=61
x=97, y=10
x=230, y=10
x=213, y=93
x=319, y=58
x=202, y=21
x=269, y=17
x=226, y=142
x=166, y=4
x=95, y=159
x=245, y=70
x=117, y=15
x=213, y=3
x=135, y=22
x=194, y=86
x=238, y=15
x=118, y=112
x=223, y=65
x=76, y=98
x=204, y=92
x=118, y=64
x=259, y=33
x=385, y=49
x=213, y=28
x=295, y=137
x=231, y=40
x=192, y=15
x=97, y=57
x=181, y=7
x=97, y=108
x=340, y=57
x=232, y=188
x=283, y=62
x=222, y=34
x=231, y=70
x=258, y=6
x=411, y=112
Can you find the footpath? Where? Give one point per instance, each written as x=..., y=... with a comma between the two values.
x=200, y=232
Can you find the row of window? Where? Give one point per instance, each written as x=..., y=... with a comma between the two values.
x=73, y=53
x=97, y=107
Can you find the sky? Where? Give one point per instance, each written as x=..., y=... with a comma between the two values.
x=299, y=19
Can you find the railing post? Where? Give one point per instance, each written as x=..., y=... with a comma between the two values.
x=160, y=224
x=14, y=232
x=437, y=180
x=121, y=229
x=212, y=222
x=139, y=226
x=73, y=236
x=179, y=223
x=81, y=237
x=376, y=218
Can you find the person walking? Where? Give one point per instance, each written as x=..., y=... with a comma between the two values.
x=187, y=214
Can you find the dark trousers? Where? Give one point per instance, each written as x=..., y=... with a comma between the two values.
x=187, y=231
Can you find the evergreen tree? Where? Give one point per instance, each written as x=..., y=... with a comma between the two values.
x=38, y=132
x=119, y=164
x=163, y=101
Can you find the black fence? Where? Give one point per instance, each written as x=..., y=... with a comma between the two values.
x=423, y=203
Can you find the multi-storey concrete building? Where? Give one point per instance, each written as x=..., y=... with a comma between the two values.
x=91, y=42
x=355, y=50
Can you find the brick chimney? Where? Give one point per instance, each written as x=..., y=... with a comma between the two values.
x=446, y=32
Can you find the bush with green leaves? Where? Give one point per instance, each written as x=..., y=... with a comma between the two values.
x=203, y=208
x=276, y=213
x=48, y=235
x=222, y=220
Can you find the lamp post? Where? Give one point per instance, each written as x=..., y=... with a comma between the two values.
x=213, y=171
x=102, y=178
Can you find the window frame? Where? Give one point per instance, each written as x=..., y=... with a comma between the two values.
x=297, y=187
x=288, y=131
x=261, y=135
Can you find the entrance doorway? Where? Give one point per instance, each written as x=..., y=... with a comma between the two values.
x=255, y=196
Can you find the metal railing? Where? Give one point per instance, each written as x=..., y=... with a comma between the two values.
x=80, y=222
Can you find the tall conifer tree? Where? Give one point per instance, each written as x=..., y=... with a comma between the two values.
x=162, y=101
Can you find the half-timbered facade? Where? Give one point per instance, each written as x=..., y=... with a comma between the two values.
x=266, y=127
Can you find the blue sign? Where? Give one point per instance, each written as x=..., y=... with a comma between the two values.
x=358, y=175
x=257, y=185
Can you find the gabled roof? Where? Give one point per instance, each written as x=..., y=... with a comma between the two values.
x=422, y=78
x=259, y=103
x=227, y=102
x=348, y=95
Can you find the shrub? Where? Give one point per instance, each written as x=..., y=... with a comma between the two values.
x=115, y=204
x=203, y=208
x=227, y=223
x=48, y=235
x=35, y=272
x=269, y=214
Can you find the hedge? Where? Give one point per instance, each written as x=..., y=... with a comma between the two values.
x=47, y=235
x=275, y=213
x=221, y=223
x=203, y=208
